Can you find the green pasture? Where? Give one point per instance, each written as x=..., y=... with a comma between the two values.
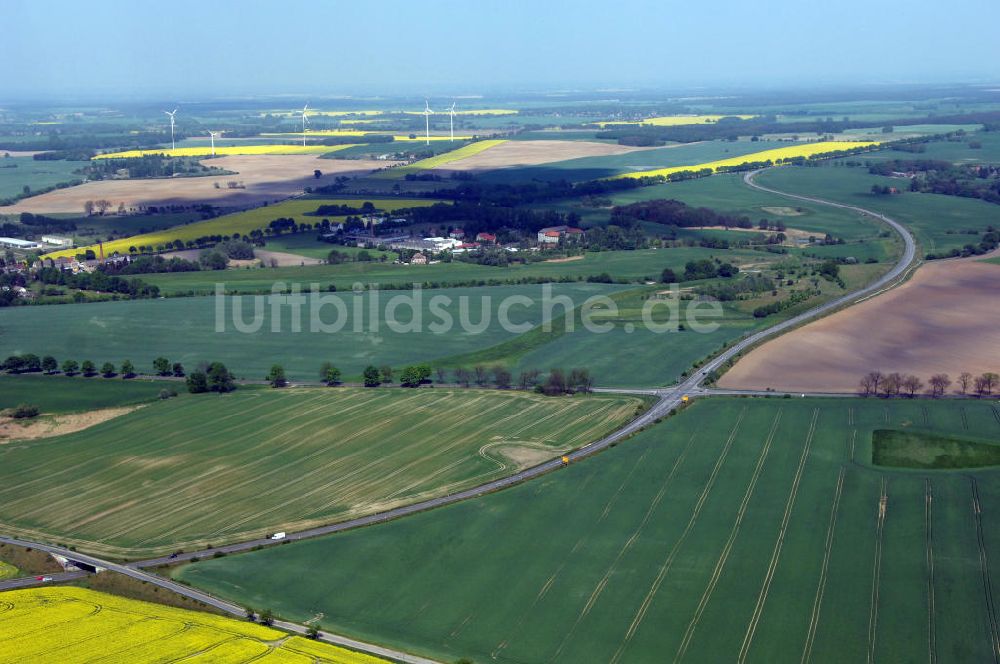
x=182, y=473
x=742, y=529
x=62, y=394
x=620, y=265
x=18, y=172
x=941, y=223
x=184, y=329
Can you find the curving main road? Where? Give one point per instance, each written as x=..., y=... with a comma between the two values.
x=667, y=400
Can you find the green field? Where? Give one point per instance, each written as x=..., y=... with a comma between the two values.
x=741, y=529
x=308, y=245
x=913, y=449
x=184, y=330
x=59, y=394
x=939, y=222
x=621, y=265
x=183, y=472
x=17, y=172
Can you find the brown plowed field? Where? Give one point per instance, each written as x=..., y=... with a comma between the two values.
x=946, y=319
x=533, y=153
x=266, y=178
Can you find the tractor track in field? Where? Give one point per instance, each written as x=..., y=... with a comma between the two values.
x=883, y=506
x=821, y=584
x=779, y=543
x=667, y=400
x=984, y=566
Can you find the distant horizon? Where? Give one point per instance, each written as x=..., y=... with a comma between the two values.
x=65, y=49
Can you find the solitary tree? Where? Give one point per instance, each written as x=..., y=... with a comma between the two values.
x=329, y=374
x=88, y=368
x=107, y=370
x=161, y=366
x=442, y=374
x=911, y=384
x=386, y=372
x=939, y=384
x=580, y=380
x=985, y=383
x=866, y=386
x=197, y=382
x=964, y=382
x=267, y=617
x=528, y=379
x=371, y=376
x=482, y=374
x=219, y=378
x=49, y=364
x=555, y=383
x=501, y=377
x=128, y=369
x=70, y=367
x=276, y=377
x=891, y=384
x=178, y=370
x=313, y=630
x=463, y=376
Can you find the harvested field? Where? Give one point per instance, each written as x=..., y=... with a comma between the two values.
x=946, y=319
x=512, y=154
x=181, y=473
x=265, y=178
x=56, y=425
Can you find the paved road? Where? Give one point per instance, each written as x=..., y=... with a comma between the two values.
x=667, y=400
x=28, y=581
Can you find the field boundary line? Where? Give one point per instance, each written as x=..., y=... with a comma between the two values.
x=668, y=563
x=984, y=565
x=883, y=503
x=824, y=569
x=734, y=532
x=779, y=543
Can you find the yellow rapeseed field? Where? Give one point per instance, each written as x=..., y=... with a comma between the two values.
x=68, y=625
x=776, y=155
x=440, y=159
x=677, y=120
x=242, y=223
x=206, y=151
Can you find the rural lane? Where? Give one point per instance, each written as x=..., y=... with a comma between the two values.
x=667, y=399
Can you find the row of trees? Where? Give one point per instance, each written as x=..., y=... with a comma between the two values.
x=875, y=383
x=31, y=363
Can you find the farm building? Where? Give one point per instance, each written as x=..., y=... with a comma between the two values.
x=14, y=243
x=553, y=234
x=57, y=241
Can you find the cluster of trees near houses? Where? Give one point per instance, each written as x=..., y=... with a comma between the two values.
x=942, y=177
x=876, y=383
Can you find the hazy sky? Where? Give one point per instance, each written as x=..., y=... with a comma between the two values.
x=62, y=48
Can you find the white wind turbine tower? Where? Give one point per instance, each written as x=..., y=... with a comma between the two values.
x=451, y=112
x=172, y=114
x=305, y=121
x=427, y=120
x=213, y=134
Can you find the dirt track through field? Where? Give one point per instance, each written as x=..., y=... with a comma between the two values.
x=946, y=319
x=265, y=177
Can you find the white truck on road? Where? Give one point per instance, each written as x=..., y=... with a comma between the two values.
x=278, y=536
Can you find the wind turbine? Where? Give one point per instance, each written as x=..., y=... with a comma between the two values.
x=427, y=120
x=213, y=134
x=305, y=121
x=451, y=112
x=172, y=114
